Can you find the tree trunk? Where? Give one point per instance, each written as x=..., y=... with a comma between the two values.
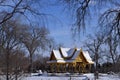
x=112, y=55
x=7, y=65
x=96, y=70
x=31, y=64
x=7, y=70
x=16, y=72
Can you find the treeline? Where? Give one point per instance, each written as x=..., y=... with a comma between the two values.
x=19, y=63
x=107, y=67
x=103, y=43
x=104, y=49
x=18, y=45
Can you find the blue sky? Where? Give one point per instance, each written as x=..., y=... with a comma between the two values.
x=60, y=21
x=59, y=25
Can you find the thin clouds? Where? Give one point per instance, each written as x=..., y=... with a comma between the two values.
x=93, y=2
x=63, y=31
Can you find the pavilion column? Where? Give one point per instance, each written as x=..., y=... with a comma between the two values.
x=65, y=67
x=55, y=67
x=74, y=67
x=79, y=66
x=52, y=68
x=64, y=70
x=58, y=68
x=83, y=67
x=89, y=67
x=61, y=67
x=69, y=67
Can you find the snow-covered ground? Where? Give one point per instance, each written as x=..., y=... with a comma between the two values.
x=66, y=76
x=104, y=76
x=89, y=76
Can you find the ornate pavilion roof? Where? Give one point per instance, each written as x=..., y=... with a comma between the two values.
x=68, y=55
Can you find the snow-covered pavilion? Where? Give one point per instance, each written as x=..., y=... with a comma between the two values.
x=70, y=60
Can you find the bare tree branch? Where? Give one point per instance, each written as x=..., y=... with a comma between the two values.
x=9, y=15
x=111, y=21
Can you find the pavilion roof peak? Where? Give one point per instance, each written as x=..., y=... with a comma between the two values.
x=69, y=55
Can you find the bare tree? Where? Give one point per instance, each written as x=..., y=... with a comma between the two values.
x=12, y=8
x=111, y=20
x=94, y=47
x=10, y=36
x=40, y=62
x=110, y=24
x=84, y=10
x=37, y=38
x=18, y=64
x=113, y=43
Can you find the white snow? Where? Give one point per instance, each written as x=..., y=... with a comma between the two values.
x=58, y=58
x=87, y=56
x=60, y=61
x=67, y=52
x=87, y=76
x=57, y=54
x=56, y=78
x=62, y=76
x=76, y=54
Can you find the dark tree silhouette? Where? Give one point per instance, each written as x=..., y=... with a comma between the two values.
x=94, y=46
x=10, y=36
x=83, y=9
x=35, y=39
x=11, y=9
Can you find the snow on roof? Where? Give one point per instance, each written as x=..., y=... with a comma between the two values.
x=57, y=54
x=78, y=49
x=67, y=52
x=87, y=56
x=76, y=54
x=60, y=61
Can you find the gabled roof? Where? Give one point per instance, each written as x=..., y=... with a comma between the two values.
x=57, y=54
x=60, y=61
x=67, y=52
x=64, y=55
x=76, y=54
x=59, y=57
x=87, y=57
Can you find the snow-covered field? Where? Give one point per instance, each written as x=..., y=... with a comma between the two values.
x=64, y=76
x=89, y=76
